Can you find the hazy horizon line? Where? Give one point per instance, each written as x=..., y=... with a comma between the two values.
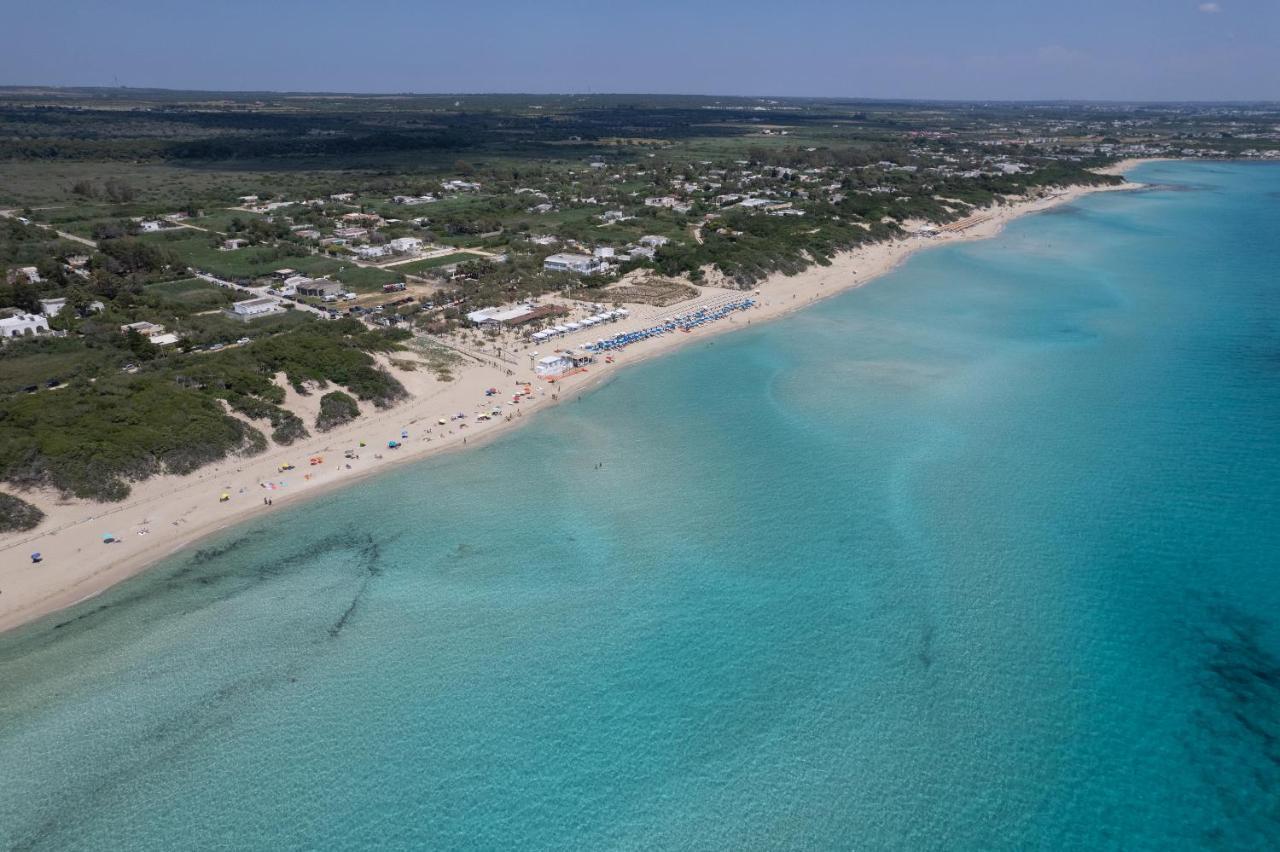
x=591, y=94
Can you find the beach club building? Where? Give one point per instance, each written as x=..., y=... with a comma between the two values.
x=551, y=366
x=512, y=317
x=494, y=317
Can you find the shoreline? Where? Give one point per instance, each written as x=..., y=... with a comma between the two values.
x=168, y=513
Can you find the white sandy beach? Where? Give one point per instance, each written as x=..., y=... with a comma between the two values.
x=167, y=513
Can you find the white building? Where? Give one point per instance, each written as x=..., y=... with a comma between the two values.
x=406, y=245
x=52, y=307
x=766, y=204
x=493, y=317
x=292, y=283
x=373, y=252
x=23, y=325
x=653, y=241
x=248, y=309
x=146, y=329
x=481, y=315
x=580, y=264
x=552, y=365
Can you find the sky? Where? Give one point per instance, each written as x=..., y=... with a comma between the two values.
x=924, y=49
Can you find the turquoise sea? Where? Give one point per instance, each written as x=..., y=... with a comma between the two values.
x=984, y=555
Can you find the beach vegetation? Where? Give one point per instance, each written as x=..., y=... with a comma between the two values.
x=104, y=429
x=336, y=408
x=17, y=515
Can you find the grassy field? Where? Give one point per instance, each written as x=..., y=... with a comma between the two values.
x=196, y=249
x=361, y=279
x=219, y=220
x=193, y=293
x=418, y=266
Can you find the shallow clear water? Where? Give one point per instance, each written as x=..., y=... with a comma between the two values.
x=981, y=556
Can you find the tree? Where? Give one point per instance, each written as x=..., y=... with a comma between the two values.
x=85, y=188
x=24, y=295
x=140, y=346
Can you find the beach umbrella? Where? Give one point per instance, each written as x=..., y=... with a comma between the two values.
x=107, y=538
x=36, y=557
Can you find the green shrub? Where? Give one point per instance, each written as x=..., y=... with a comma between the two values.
x=18, y=515
x=336, y=408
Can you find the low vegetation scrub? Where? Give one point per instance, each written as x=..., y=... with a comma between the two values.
x=18, y=515
x=91, y=439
